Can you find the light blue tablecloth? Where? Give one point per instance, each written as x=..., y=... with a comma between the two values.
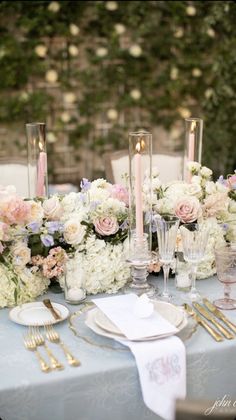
x=106, y=386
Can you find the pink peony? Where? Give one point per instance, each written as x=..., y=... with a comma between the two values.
x=120, y=193
x=106, y=226
x=14, y=210
x=188, y=209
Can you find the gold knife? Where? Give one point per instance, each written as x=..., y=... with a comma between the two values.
x=219, y=314
x=48, y=305
x=203, y=323
x=210, y=318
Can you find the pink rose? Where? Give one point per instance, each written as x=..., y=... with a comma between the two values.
x=120, y=193
x=231, y=182
x=187, y=209
x=14, y=210
x=106, y=226
x=52, y=208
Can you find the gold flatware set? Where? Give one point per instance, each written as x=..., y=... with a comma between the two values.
x=209, y=312
x=35, y=338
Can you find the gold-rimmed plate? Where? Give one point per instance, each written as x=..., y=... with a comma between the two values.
x=36, y=314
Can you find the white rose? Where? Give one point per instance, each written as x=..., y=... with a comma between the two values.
x=51, y=76
x=195, y=190
x=54, y=7
x=184, y=112
x=65, y=117
x=135, y=94
x=41, y=50
x=73, y=50
x=193, y=166
x=174, y=73
x=112, y=114
x=21, y=254
x=179, y=32
x=52, y=208
x=111, y=5
x=196, y=179
x=196, y=72
x=36, y=211
x=51, y=138
x=156, y=183
x=101, y=52
x=120, y=28
x=209, y=93
x=221, y=187
x=74, y=29
x=135, y=50
x=74, y=232
x=210, y=187
x=205, y=172
x=69, y=97
x=211, y=33
x=191, y=10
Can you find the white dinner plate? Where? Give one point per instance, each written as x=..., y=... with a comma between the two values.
x=171, y=313
x=35, y=313
x=91, y=323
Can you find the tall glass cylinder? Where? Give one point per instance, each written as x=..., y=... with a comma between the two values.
x=37, y=160
x=140, y=209
x=193, y=143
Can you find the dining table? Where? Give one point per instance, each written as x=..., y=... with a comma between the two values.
x=106, y=385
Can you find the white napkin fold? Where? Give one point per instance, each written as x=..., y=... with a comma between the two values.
x=122, y=311
x=161, y=363
x=162, y=372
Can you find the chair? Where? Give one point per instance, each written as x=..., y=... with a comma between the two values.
x=14, y=171
x=169, y=166
x=196, y=410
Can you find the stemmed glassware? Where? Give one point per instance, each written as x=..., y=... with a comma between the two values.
x=194, y=240
x=226, y=272
x=167, y=228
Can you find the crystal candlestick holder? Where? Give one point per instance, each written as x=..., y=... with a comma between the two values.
x=139, y=259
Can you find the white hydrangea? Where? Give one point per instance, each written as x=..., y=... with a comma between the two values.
x=210, y=187
x=104, y=266
x=31, y=285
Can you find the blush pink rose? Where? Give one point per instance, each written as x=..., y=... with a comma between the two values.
x=14, y=210
x=120, y=193
x=106, y=226
x=188, y=209
x=231, y=182
x=52, y=208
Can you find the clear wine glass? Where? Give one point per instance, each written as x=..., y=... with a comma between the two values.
x=194, y=240
x=167, y=228
x=226, y=273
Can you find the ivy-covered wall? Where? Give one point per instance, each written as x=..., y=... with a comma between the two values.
x=98, y=69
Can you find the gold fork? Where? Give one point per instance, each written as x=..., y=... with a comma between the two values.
x=40, y=341
x=53, y=336
x=31, y=345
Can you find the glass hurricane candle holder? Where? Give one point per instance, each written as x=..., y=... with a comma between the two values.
x=37, y=160
x=193, y=144
x=74, y=282
x=140, y=210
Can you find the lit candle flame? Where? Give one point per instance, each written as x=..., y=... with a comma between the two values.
x=140, y=146
x=193, y=126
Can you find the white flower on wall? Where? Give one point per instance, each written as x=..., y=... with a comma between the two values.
x=51, y=76
x=135, y=50
x=135, y=94
x=54, y=7
x=101, y=52
x=69, y=97
x=73, y=50
x=74, y=29
x=41, y=50
x=191, y=10
x=119, y=28
x=112, y=114
x=111, y=5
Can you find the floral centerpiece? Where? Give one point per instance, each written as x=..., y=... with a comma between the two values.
x=201, y=199
x=37, y=236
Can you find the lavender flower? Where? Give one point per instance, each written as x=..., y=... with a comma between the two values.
x=124, y=225
x=47, y=240
x=54, y=226
x=85, y=184
x=34, y=227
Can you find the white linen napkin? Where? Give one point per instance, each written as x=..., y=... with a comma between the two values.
x=122, y=311
x=161, y=363
x=162, y=372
